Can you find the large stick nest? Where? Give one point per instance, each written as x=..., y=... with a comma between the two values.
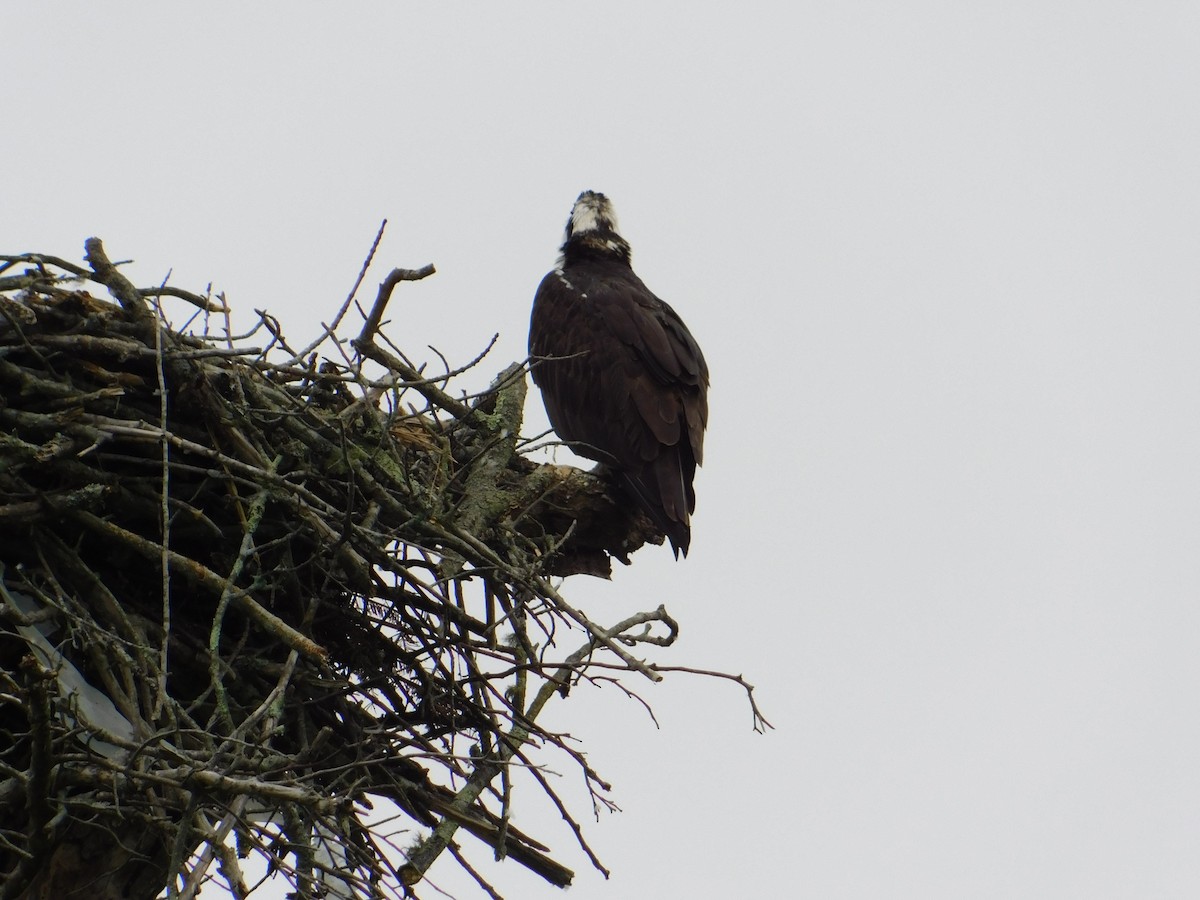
x=246, y=590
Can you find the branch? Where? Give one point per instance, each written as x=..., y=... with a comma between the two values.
x=201, y=574
x=118, y=285
x=375, y=317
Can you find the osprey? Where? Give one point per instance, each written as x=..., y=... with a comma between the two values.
x=623, y=380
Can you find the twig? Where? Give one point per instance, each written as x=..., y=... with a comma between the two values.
x=165, y=518
x=366, y=345
x=341, y=313
x=196, y=300
x=375, y=316
x=760, y=722
x=203, y=575
x=253, y=519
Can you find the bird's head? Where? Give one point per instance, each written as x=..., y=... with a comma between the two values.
x=592, y=229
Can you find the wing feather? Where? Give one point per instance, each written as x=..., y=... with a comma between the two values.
x=625, y=383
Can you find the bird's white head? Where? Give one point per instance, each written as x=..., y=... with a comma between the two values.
x=592, y=212
x=592, y=230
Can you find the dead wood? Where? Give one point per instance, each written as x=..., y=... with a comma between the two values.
x=246, y=593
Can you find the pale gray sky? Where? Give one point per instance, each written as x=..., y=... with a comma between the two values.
x=942, y=259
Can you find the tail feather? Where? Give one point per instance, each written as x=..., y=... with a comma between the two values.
x=662, y=493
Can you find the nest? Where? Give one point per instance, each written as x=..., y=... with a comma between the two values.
x=247, y=592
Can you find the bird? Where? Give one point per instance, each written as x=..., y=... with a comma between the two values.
x=623, y=380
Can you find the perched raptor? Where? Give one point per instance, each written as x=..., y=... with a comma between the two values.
x=623, y=380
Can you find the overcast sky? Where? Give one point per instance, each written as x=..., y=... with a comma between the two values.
x=942, y=260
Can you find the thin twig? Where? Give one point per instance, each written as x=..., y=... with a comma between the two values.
x=341, y=313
